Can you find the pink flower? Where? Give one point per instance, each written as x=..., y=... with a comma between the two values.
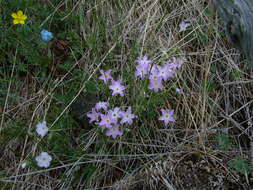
x=154, y=70
x=127, y=117
x=93, y=115
x=167, y=116
x=154, y=73
x=175, y=63
x=106, y=121
x=180, y=62
x=115, y=114
x=143, y=60
x=114, y=131
x=105, y=76
x=143, y=67
x=183, y=25
x=101, y=105
x=155, y=83
x=165, y=72
x=142, y=70
x=117, y=88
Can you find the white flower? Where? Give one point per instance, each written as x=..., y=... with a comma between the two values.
x=41, y=128
x=179, y=91
x=23, y=165
x=43, y=160
x=183, y=25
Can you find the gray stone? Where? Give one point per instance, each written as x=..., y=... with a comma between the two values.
x=238, y=19
x=81, y=106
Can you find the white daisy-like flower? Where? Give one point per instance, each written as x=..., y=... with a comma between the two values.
x=43, y=160
x=41, y=128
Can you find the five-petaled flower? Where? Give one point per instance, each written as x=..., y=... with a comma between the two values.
x=115, y=114
x=93, y=115
x=165, y=72
x=106, y=121
x=46, y=35
x=156, y=83
x=127, y=117
x=101, y=105
x=167, y=116
x=143, y=60
x=43, y=160
x=114, y=131
x=117, y=88
x=18, y=17
x=143, y=67
x=41, y=128
x=106, y=75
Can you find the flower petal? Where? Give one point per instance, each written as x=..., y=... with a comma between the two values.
x=21, y=21
x=20, y=13
x=23, y=17
x=15, y=21
x=14, y=15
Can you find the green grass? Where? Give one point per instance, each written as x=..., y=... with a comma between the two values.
x=42, y=81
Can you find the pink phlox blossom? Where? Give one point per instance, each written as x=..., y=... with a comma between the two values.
x=175, y=63
x=101, y=105
x=142, y=70
x=127, y=117
x=154, y=70
x=106, y=75
x=155, y=83
x=106, y=121
x=117, y=87
x=93, y=115
x=154, y=73
x=114, y=114
x=114, y=131
x=183, y=25
x=167, y=116
x=143, y=60
x=171, y=65
x=165, y=72
x=180, y=62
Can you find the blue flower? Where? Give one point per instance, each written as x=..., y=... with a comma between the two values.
x=46, y=35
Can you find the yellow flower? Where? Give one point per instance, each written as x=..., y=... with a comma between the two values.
x=19, y=17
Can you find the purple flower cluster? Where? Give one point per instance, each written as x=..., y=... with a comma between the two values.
x=111, y=119
x=157, y=74
x=116, y=85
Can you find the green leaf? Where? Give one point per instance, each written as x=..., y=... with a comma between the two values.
x=240, y=165
x=209, y=86
x=158, y=100
x=66, y=66
x=91, y=87
x=224, y=142
x=213, y=68
x=237, y=74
